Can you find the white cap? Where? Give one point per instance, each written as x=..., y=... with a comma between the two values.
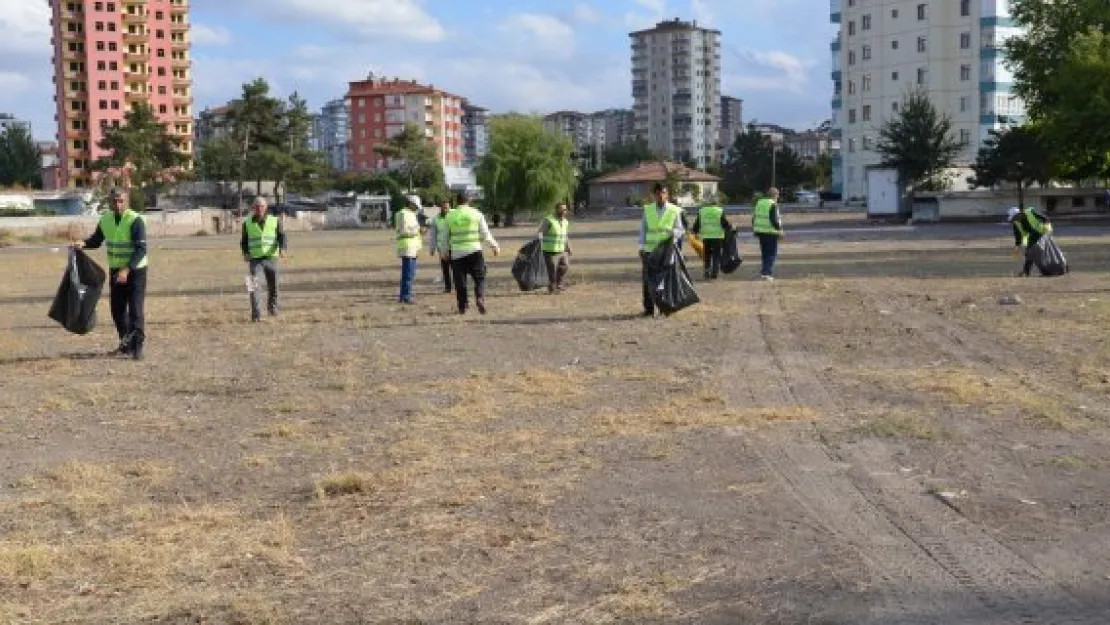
x=415, y=200
x=1012, y=212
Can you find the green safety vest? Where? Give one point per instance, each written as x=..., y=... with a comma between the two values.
x=555, y=239
x=441, y=232
x=118, y=238
x=710, y=218
x=408, y=232
x=1034, y=222
x=262, y=239
x=761, y=217
x=659, y=227
x=464, y=230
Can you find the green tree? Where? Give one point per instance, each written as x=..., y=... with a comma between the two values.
x=821, y=172
x=1016, y=155
x=20, y=159
x=141, y=153
x=629, y=153
x=255, y=120
x=754, y=164
x=1061, y=65
x=419, y=163
x=527, y=167
x=918, y=142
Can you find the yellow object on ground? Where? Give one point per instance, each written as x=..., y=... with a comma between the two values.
x=696, y=243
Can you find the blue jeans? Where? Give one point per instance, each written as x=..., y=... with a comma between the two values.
x=769, y=251
x=408, y=275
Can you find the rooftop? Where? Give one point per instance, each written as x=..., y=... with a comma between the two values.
x=395, y=86
x=655, y=171
x=673, y=25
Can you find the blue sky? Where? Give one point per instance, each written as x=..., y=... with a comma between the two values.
x=523, y=55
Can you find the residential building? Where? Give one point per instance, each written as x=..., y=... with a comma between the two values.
x=380, y=109
x=332, y=133
x=951, y=50
x=632, y=185
x=732, y=120
x=574, y=125
x=211, y=124
x=676, y=87
x=108, y=57
x=475, y=134
x=7, y=120
x=809, y=145
x=614, y=126
x=49, y=155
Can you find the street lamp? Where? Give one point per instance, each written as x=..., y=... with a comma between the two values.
x=774, y=162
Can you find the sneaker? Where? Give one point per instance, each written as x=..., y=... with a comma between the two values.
x=123, y=350
x=767, y=278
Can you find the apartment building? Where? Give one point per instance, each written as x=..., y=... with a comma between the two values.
x=579, y=127
x=475, y=134
x=592, y=131
x=211, y=124
x=380, y=108
x=7, y=120
x=953, y=50
x=332, y=133
x=732, y=120
x=108, y=57
x=615, y=126
x=676, y=87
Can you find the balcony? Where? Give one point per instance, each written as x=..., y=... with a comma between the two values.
x=136, y=36
x=139, y=55
x=73, y=35
x=182, y=81
x=135, y=96
x=139, y=76
x=837, y=103
x=179, y=27
x=181, y=63
x=134, y=18
x=179, y=98
x=834, y=11
x=178, y=44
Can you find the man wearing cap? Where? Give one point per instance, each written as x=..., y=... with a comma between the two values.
x=1029, y=227
x=463, y=237
x=439, y=225
x=263, y=241
x=767, y=227
x=407, y=234
x=124, y=232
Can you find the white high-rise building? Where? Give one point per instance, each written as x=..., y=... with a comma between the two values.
x=676, y=86
x=951, y=49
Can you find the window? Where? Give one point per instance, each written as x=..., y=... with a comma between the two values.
x=161, y=53
x=866, y=142
x=161, y=91
x=851, y=57
x=922, y=75
x=362, y=103
x=851, y=116
x=965, y=73
x=98, y=6
x=894, y=106
x=965, y=8
x=851, y=87
x=921, y=44
x=851, y=28
x=964, y=103
x=161, y=71
x=111, y=27
x=894, y=76
x=965, y=137
x=102, y=85
x=362, y=118
x=893, y=44
x=113, y=66
x=100, y=46
x=965, y=41
x=115, y=85
x=866, y=83
x=112, y=46
x=866, y=112
x=851, y=145
x=162, y=109
x=160, y=34
x=100, y=26
x=103, y=105
x=894, y=14
x=362, y=133
x=101, y=65
x=111, y=7
x=865, y=23
x=158, y=15
x=867, y=53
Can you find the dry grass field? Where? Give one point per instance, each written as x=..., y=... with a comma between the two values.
x=870, y=439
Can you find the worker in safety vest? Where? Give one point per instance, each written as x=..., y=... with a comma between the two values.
x=407, y=235
x=124, y=232
x=1029, y=227
x=554, y=232
x=767, y=226
x=263, y=241
x=662, y=221
x=466, y=231
x=439, y=226
x=712, y=226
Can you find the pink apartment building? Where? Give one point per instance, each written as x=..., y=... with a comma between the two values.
x=110, y=55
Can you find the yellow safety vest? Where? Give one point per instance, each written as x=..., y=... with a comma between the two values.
x=659, y=227
x=710, y=219
x=761, y=217
x=408, y=232
x=118, y=238
x=555, y=239
x=262, y=239
x=464, y=230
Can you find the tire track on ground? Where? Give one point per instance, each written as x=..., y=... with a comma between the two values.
x=928, y=564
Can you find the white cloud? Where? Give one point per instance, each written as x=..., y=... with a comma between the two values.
x=538, y=32
x=585, y=14
x=650, y=13
x=392, y=19
x=25, y=25
x=12, y=82
x=767, y=71
x=203, y=35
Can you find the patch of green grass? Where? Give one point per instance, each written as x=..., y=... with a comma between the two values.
x=904, y=427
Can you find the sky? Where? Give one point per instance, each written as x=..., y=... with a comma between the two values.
x=506, y=55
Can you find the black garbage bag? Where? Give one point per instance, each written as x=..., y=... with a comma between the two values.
x=671, y=286
x=529, y=268
x=75, y=304
x=730, y=255
x=1048, y=257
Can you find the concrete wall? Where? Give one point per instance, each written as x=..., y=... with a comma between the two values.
x=604, y=195
x=159, y=224
x=984, y=204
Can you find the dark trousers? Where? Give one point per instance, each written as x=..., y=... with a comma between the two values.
x=128, y=301
x=557, y=267
x=713, y=250
x=769, y=252
x=408, y=276
x=445, y=265
x=1031, y=253
x=269, y=267
x=473, y=265
x=649, y=303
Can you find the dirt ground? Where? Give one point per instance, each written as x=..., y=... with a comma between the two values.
x=871, y=439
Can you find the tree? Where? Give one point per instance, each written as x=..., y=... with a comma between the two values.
x=141, y=154
x=255, y=120
x=917, y=142
x=627, y=154
x=527, y=167
x=420, y=166
x=1017, y=155
x=20, y=159
x=754, y=164
x=821, y=172
x=1061, y=66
